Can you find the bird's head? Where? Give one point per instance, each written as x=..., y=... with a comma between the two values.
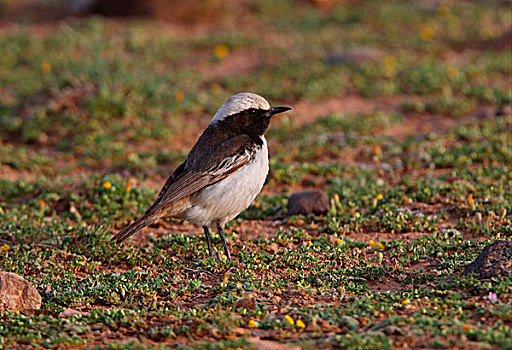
x=247, y=111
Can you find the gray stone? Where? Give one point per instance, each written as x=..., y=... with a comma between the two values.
x=308, y=202
x=494, y=261
x=16, y=293
x=356, y=55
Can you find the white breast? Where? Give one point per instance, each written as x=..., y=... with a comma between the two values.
x=224, y=200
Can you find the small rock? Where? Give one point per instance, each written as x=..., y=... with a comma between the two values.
x=486, y=113
x=503, y=110
x=16, y=293
x=72, y=312
x=494, y=261
x=260, y=344
x=276, y=300
x=247, y=303
x=326, y=326
x=308, y=202
x=239, y=331
x=352, y=324
x=356, y=55
x=273, y=247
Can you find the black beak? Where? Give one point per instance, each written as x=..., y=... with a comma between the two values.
x=277, y=110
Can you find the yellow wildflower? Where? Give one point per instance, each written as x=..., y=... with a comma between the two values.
x=107, y=185
x=300, y=324
x=452, y=72
x=289, y=319
x=178, y=96
x=215, y=88
x=389, y=67
x=443, y=11
x=356, y=214
x=427, y=33
x=46, y=67
x=379, y=196
x=390, y=61
x=221, y=51
x=336, y=197
x=377, y=150
x=372, y=244
x=380, y=246
x=127, y=187
x=309, y=243
x=339, y=241
x=251, y=324
x=405, y=301
x=470, y=200
x=5, y=248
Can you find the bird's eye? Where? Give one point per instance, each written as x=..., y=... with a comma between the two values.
x=253, y=112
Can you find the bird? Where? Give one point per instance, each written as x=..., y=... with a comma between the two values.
x=222, y=174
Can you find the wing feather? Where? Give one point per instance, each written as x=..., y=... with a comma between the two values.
x=186, y=181
x=193, y=182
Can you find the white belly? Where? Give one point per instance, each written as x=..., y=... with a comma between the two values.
x=224, y=200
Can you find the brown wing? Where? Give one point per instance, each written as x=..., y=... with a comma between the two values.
x=195, y=174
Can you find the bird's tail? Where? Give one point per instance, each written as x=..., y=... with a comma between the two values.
x=136, y=226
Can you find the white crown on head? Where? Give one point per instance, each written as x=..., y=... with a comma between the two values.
x=238, y=103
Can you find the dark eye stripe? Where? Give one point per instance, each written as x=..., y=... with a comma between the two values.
x=255, y=111
x=247, y=112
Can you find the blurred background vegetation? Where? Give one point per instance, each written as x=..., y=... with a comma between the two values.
x=113, y=91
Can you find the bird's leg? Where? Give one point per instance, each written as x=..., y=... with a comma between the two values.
x=221, y=233
x=208, y=240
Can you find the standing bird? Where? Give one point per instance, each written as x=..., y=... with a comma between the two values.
x=222, y=174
